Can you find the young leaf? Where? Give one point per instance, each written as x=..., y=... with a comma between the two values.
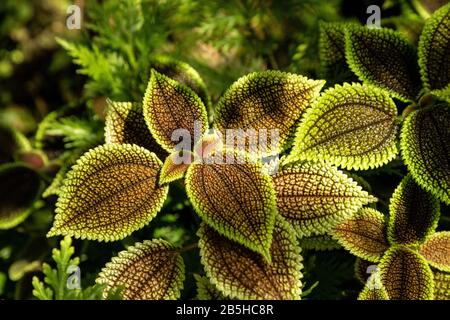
x=19, y=188
x=434, y=46
x=353, y=126
x=425, y=138
x=125, y=123
x=319, y=243
x=206, y=290
x=437, y=250
x=170, y=106
x=175, y=166
x=243, y=274
x=414, y=214
x=384, y=58
x=374, y=289
x=364, y=234
x=406, y=275
x=268, y=100
x=112, y=191
x=441, y=285
x=314, y=197
x=151, y=270
x=237, y=199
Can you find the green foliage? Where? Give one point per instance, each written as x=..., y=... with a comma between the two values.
x=206, y=290
x=436, y=250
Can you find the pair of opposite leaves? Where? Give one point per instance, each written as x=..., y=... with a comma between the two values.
x=405, y=247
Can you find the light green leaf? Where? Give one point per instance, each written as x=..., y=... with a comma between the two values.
x=243, y=274
x=414, y=214
x=441, y=285
x=265, y=101
x=151, y=270
x=95, y=200
x=425, y=138
x=206, y=290
x=364, y=234
x=374, y=289
x=384, y=58
x=353, y=126
x=319, y=243
x=406, y=275
x=314, y=197
x=436, y=250
x=434, y=58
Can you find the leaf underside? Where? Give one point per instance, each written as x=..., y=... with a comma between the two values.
x=352, y=126
x=425, y=140
x=364, y=234
x=151, y=270
x=384, y=58
x=314, y=197
x=436, y=250
x=406, y=275
x=243, y=274
x=112, y=191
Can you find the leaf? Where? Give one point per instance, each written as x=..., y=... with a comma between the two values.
x=364, y=234
x=20, y=187
x=434, y=60
x=170, y=106
x=265, y=101
x=436, y=250
x=352, y=126
x=237, y=199
x=384, y=58
x=414, y=214
x=206, y=290
x=243, y=274
x=441, y=285
x=319, y=243
x=125, y=124
x=151, y=270
x=363, y=269
x=315, y=197
x=111, y=192
x=406, y=275
x=425, y=138
x=175, y=166
x=374, y=289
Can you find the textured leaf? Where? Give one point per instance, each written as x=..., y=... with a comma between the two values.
x=236, y=199
x=243, y=274
x=434, y=58
x=268, y=100
x=352, y=126
x=319, y=243
x=111, y=192
x=169, y=106
x=175, y=166
x=406, y=275
x=414, y=213
x=315, y=197
x=364, y=234
x=384, y=58
x=19, y=188
x=425, y=140
x=437, y=250
x=151, y=270
x=441, y=285
x=374, y=289
x=363, y=269
x=206, y=290
x=125, y=123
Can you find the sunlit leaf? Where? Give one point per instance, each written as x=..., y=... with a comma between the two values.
x=125, y=123
x=265, y=101
x=236, y=199
x=19, y=188
x=112, y=191
x=353, y=126
x=414, y=213
x=319, y=243
x=241, y=273
x=151, y=270
x=406, y=275
x=175, y=166
x=434, y=58
x=425, y=138
x=384, y=58
x=314, y=197
x=441, y=285
x=206, y=290
x=364, y=234
x=437, y=250
x=170, y=107
x=374, y=289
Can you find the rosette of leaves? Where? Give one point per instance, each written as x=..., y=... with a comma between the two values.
x=388, y=63
x=405, y=246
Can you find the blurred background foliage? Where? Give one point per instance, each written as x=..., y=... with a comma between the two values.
x=54, y=83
